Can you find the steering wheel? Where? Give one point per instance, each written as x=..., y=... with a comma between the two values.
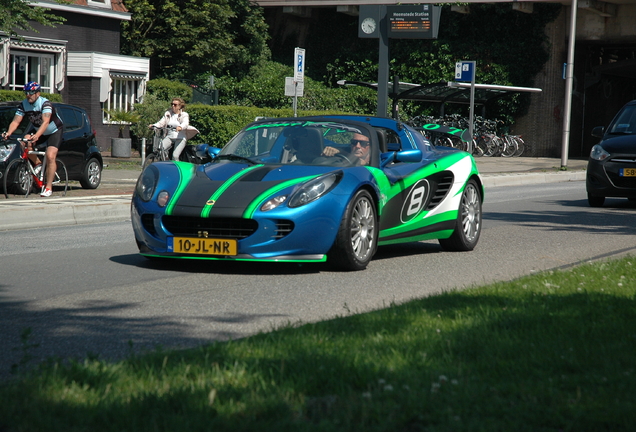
x=342, y=156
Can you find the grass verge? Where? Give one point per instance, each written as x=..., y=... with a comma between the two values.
x=554, y=351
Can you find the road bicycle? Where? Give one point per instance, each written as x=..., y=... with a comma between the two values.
x=23, y=177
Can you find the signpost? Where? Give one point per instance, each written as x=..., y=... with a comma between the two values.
x=465, y=71
x=299, y=75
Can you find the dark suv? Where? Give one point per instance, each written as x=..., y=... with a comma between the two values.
x=78, y=149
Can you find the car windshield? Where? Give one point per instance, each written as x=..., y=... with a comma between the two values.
x=285, y=141
x=625, y=121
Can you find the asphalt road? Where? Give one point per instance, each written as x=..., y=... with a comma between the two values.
x=85, y=290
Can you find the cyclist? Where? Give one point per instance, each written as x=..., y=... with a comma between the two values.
x=178, y=120
x=43, y=116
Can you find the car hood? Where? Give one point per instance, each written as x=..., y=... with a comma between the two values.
x=227, y=189
x=625, y=144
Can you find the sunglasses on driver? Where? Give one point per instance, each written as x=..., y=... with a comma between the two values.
x=362, y=143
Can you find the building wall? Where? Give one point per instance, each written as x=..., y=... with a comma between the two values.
x=83, y=33
x=542, y=126
x=85, y=94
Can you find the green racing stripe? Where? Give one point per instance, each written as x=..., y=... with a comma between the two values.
x=186, y=172
x=251, y=209
x=215, y=196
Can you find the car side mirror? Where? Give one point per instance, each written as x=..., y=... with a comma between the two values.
x=409, y=156
x=598, y=131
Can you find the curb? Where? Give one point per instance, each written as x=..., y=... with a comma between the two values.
x=508, y=179
x=15, y=214
x=64, y=212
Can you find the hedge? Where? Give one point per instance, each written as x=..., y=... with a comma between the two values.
x=18, y=95
x=218, y=124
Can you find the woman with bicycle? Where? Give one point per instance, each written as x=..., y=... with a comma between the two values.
x=49, y=130
x=177, y=121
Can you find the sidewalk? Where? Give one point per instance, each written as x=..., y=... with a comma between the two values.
x=111, y=200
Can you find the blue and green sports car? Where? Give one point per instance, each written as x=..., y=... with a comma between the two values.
x=310, y=189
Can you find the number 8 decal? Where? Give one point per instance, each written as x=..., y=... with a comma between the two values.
x=415, y=201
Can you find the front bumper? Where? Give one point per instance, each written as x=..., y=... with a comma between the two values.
x=603, y=178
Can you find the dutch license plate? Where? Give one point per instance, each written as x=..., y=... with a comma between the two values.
x=628, y=172
x=203, y=246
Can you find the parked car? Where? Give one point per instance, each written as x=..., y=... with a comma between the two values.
x=78, y=149
x=303, y=189
x=611, y=169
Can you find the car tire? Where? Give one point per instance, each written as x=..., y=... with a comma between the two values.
x=595, y=201
x=17, y=178
x=92, y=175
x=357, y=238
x=468, y=223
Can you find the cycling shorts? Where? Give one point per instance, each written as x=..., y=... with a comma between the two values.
x=53, y=140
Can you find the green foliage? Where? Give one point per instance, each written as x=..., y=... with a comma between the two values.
x=149, y=112
x=510, y=48
x=195, y=38
x=218, y=124
x=17, y=95
x=553, y=351
x=264, y=87
x=122, y=119
x=19, y=15
x=165, y=90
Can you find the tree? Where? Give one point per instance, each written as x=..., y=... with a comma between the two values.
x=16, y=14
x=196, y=38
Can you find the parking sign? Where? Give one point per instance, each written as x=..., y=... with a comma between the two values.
x=464, y=71
x=299, y=64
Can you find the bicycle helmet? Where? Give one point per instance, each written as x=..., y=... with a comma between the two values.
x=32, y=86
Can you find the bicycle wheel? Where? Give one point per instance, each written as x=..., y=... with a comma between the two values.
x=492, y=146
x=479, y=147
x=521, y=146
x=152, y=157
x=17, y=177
x=509, y=147
x=444, y=141
x=61, y=177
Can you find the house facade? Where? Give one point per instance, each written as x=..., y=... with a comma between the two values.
x=79, y=60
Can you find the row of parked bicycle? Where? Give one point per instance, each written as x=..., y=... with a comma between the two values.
x=489, y=136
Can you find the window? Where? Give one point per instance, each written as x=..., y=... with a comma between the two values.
x=99, y=3
x=31, y=66
x=124, y=93
x=72, y=118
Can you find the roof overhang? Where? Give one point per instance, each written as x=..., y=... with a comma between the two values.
x=445, y=92
x=84, y=10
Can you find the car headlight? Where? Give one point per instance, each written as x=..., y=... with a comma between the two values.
x=272, y=203
x=5, y=151
x=146, y=183
x=314, y=189
x=598, y=153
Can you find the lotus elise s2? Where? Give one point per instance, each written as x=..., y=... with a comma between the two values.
x=310, y=189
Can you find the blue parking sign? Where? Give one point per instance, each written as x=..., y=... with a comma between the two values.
x=465, y=71
x=299, y=64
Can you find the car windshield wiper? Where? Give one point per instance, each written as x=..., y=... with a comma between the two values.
x=231, y=156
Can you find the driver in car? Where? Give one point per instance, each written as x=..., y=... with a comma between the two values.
x=360, y=146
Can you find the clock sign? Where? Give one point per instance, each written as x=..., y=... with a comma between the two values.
x=368, y=25
x=369, y=21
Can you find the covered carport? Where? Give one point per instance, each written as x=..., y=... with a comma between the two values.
x=444, y=93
